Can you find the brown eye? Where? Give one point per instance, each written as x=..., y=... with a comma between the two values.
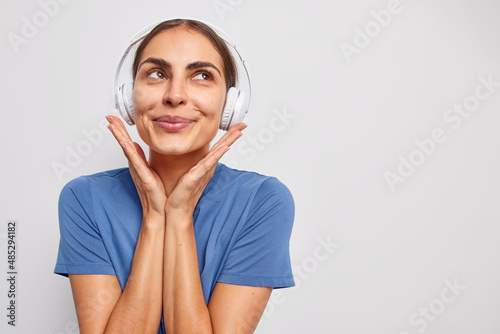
x=203, y=76
x=156, y=74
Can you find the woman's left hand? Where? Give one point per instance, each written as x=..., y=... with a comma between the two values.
x=183, y=199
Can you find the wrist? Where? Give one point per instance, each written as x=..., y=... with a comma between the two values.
x=179, y=219
x=152, y=213
x=153, y=221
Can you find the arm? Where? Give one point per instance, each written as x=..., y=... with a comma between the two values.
x=102, y=307
x=237, y=308
x=184, y=307
x=184, y=310
x=232, y=308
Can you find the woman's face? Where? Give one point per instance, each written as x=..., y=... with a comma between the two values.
x=179, y=92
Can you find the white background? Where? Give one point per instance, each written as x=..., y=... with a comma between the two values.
x=351, y=121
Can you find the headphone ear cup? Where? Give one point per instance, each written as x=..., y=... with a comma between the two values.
x=125, y=99
x=227, y=114
x=238, y=112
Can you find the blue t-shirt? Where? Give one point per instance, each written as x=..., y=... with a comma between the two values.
x=242, y=225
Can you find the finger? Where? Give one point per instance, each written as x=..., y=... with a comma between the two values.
x=116, y=133
x=226, y=143
x=122, y=138
x=118, y=129
x=216, y=152
x=208, y=162
x=216, y=156
x=230, y=137
x=137, y=160
x=133, y=151
x=140, y=151
x=237, y=128
x=116, y=120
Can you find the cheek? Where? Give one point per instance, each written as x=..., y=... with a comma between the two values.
x=210, y=104
x=143, y=101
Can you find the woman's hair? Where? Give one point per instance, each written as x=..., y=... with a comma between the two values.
x=230, y=72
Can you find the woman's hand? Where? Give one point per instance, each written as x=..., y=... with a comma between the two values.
x=149, y=185
x=190, y=186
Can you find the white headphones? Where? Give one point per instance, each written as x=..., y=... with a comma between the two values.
x=237, y=99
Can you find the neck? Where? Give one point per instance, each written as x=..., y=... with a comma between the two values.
x=170, y=168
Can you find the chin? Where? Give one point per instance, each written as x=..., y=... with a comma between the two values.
x=171, y=148
x=178, y=146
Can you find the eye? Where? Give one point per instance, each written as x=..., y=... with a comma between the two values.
x=156, y=74
x=203, y=75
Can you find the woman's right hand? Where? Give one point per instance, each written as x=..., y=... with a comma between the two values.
x=149, y=185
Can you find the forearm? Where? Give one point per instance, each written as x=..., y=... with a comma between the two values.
x=184, y=308
x=139, y=308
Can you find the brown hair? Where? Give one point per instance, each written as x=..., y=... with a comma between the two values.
x=230, y=72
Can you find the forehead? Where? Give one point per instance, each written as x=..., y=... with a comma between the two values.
x=182, y=46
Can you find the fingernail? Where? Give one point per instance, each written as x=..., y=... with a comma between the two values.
x=244, y=126
x=108, y=118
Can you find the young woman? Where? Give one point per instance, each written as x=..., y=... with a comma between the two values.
x=179, y=243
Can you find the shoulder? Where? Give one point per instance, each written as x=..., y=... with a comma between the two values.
x=266, y=208
x=265, y=192
x=84, y=186
x=100, y=179
x=84, y=198
x=248, y=181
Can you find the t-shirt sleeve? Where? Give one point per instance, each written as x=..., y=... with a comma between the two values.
x=81, y=248
x=261, y=254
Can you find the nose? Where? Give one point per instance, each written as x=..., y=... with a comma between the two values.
x=175, y=94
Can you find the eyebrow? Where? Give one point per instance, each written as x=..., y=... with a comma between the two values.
x=192, y=66
x=157, y=61
x=201, y=64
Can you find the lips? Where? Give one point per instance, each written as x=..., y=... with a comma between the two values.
x=173, y=123
x=173, y=119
